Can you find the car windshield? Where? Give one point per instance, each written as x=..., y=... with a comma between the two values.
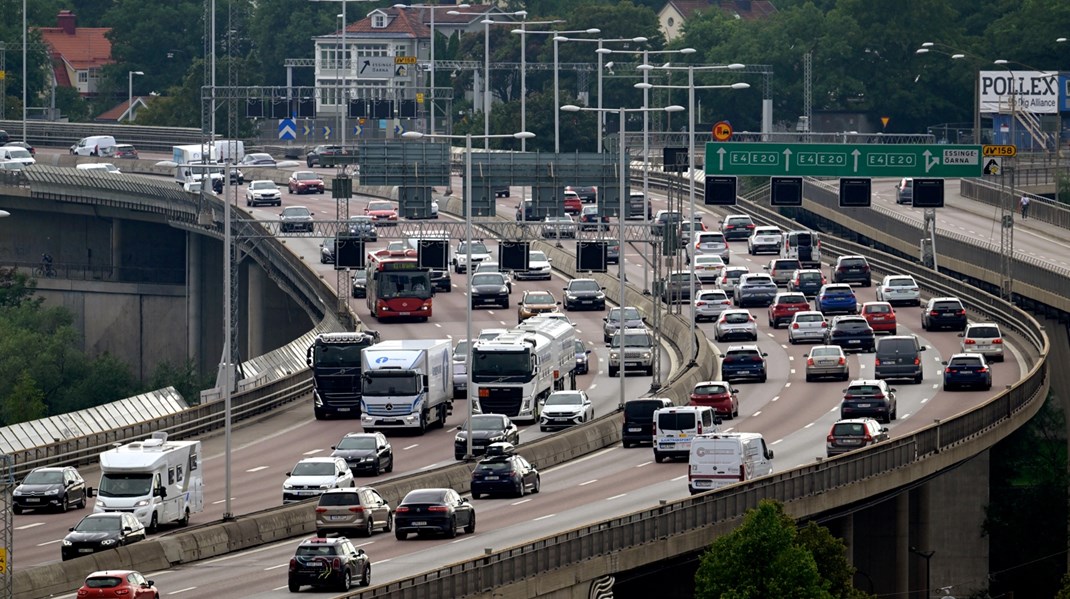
x=759, y=280
x=584, y=286
x=295, y=211
x=824, y=352
x=488, y=278
x=357, y=443
x=374, y=206
x=306, y=176
x=839, y=291
x=852, y=325
x=641, y=408
x=676, y=421
x=864, y=390
x=580, y=348
x=103, y=582
x=739, y=220
x=495, y=466
x=710, y=389
x=262, y=185
x=793, y=299
x=540, y=298
x=710, y=296
x=708, y=260
x=849, y=429
x=50, y=477
x=852, y=261
x=477, y=248
x=315, y=550
x=18, y=153
x=742, y=354
x=877, y=309
x=734, y=275
x=89, y=524
x=564, y=399
x=809, y=318
x=314, y=469
x=461, y=349
x=810, y=276
x=536, y=257
x=630, y=313
x=486, y=423
x=632, y=340
x=117, y=484
x=947, y=306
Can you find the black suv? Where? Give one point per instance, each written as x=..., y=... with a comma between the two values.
x=487, y=429
x=323, y=562
x=944, y=313
x=503, y=471
x=584, y=294
x=852, y=333
x=899, y=357
x=365, y=452
x=851, y=269
x=638, y=424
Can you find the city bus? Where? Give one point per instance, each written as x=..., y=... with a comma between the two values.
x=397, y=287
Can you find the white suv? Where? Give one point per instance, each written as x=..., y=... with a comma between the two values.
x=765, y=239
x=983, y=338
x=312, y=476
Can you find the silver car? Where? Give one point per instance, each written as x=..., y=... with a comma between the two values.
x=558, y=226
x=710, y=303
x=730, y=277
x=735, y=324
x=809, y=325
x=611, y=323
x=708, y=267
x=755, y=288
x=827, y=361
x=983, y=338
x=710, y=242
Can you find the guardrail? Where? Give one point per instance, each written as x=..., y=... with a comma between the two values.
x=47, y=133
x=1040, y=208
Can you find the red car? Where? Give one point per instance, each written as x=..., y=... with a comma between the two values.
x=305, y=182
x=118, y=584
x=880, y=316
x=382, y=213
x=573, y=204
x=784, y=307
x=718, y=395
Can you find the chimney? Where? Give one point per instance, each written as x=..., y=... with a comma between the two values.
x=65, y=21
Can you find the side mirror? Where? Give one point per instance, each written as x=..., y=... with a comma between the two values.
x=71, y=529
x=127, y=529
x=360, y=552
x=149, y=583
x=333, y=447
x=764, y=354
x=884, y=429
x=735, y=390
x=288, y=474
x=90, y=492
x=893, y=390
x=588, y=352
x=769, y=454
x=923, y=348
x=534, y=465
x=717, y=420
x=162, y=492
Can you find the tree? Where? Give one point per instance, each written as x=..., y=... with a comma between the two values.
x=24, y=403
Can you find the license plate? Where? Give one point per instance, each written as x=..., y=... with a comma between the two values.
x=665, y=444
x=863, y=405
x=85, y=550
x=391, y=421
x=339, y=518
x=33, y=500
x=586, y=301
x=682, y=435
x=405, y=313
x=343, y=409
x=744, y=372
x=853, y=341
x=420, y=523
x=490, y=478
x=850, y=441
x=635, y=430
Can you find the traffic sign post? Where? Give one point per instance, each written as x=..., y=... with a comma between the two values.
x=843, y=160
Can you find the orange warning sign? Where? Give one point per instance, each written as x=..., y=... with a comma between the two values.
x=722, y=131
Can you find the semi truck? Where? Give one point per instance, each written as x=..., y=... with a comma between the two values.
x=407, y=384
x=335, y=360
x=513, y=373
x=157, y=480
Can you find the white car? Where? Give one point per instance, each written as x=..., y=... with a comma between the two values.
x=565, y=408
x=708, y=267
x=312, y=476
x=899, y=289
x=558, y=226
x=709, y=303
x=460, y=255
x=263, y=192
x=17, y=154
x=710, y=242
x=538, y=267
x=765, y=239
x=488, y=266
x=983, y=338
x=808, y=325
x=735, y=324
x=730, y=277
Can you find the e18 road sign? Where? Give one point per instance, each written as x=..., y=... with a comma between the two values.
x=843, y=160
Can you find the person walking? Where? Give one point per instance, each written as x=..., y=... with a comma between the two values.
x=1024, y=203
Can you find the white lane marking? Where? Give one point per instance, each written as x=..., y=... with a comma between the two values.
x=49, y=542
x=257, y=469
x=27, y=526
x=757, y=413
x=679, y=478
x=222, y=501
x=592, y=386
x=792, y=371
x=643, y=464
x=937, y=358
x=834, y=409
x=904, y=416
x=593, y=480
x=519, y=502
x=783, y=346
x=787, y=384
x=382, y=561
x=414, y=445
x=777, y=441
x=727, y=430
x=615, y=497
x=459, y=540
x=274, y=589
x=247, y=552
x=438, y=325
x=809, y=425
x=364, y=544
x=456, y=428
x=770, y=335
x=544, y=517
x=776, y=397
x=935, y=385
x=276, y=567
x=312, y=452
x=186, y=589
x=924, y=399
x=790, y=358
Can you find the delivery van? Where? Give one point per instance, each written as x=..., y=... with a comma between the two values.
x=721, y=459
x=675, y=427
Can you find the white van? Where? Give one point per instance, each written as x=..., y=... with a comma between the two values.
x=228, y=150
x=804, y=246
x=675, y=427
x=721, y=459
x=106, y=167
x=92, y=145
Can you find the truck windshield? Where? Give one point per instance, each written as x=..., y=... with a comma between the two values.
x=507, y=363
x=338, y=355
x=385, y=383
x=404, y=284
x=116, y=484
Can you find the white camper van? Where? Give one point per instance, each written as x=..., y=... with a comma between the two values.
x=722, y=459
x=157, y=480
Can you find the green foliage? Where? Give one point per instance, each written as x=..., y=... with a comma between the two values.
x=183, y=377
x=1064, y=591
x=24, y=402
x=71, y=104
x=15, y=287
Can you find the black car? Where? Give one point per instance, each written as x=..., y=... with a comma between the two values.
x=57, y=488
x=638, y=426
x=585, y=294
x=327, y=251
x=944, y=313
x=852, y=269
x=865, y=397
x=486, y=429
x=363, y=227
x=852, y=333
x=503, y=471
x=360, y=283
x=4, y=137
x=426, y=511
x=501, y=191
x=967, y=370
x=588, y=193
x=324, y=562
x=296, y=218
x=489, y=288
x=257, y=159
x=365, y=452
x=100, y=532
x=440, y=279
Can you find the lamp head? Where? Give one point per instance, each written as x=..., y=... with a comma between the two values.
x=603, y=51
x=921, y=51
x=687, y=51
x=453, y=13
x=1000, y=61
x=412, y=134
x=570, y=108
x=928, y=45
x=139, y=72
x=640, y=40
x=524, y=135
x=740, y=85
x=958, y=56
x=674, y=108
x=1060, y=39
x=644, y=67
x=643, y=86
x=593, y=31
x=737, y=65
x=463, y=6
x=558, y=38
x=521, y=13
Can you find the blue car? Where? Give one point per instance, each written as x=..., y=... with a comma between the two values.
x=967, y=370
x=743, y=362
x=837, y=298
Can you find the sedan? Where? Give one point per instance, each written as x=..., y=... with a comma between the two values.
x=558, y=226
x=58, y=488
x=486, y=429
x=708, y=267
x=563, y=409
x=382, y=213
x=583, y=358
x=100, y=532
x=118, y=584
x=360, y=282
x=735, y=324
x=426, y=511
x=327, y=251
x=591, y=220
x=257, y=159
x=305, y=182
x=365, y=452
x=827, y=361
x=296, y=218
x=538, y=267
x=899, y=289
x=710, y=303
x=850, y=333
x=363, y=227
x=880, y=316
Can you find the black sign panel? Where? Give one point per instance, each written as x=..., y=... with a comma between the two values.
x=341, y=188
x=513, y=255
x=433, y=253
x=254, y=109
x=591, y=256
x=407, y=109
x=928, y=193
x=358, y=108
x=382, y=109
x=348, y=252
x=855, y=193
x=674, y=160
x=720, y=191
x=302, y=108
x=785, y=191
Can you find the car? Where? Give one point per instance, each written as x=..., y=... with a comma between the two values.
x=583, y=356
x=486, y=429
x=425, y=511
x=312, y=476
x=305, y=182
x=588, y=194
x=665, y=219
x=572, y=203
x=785, y=306
x=718, y=395
x=92, y=145
x=315, y=156
x=633, y=319
x=706, y=243
x=710, y=303
x=100, y=532
x=983, y=338
x=257, y=159
x=637, y=350
x=501, y=191
x=11, y=166
x=118, y=584
x=324, y=562
x=827, y=361
x=899, y=357
x=479, y=252
x=765, y=239
x=899, y=289
x=730, y=277
x=33, y=151
x=397, y=247
x=584, y=294
x=836, y=298
x=853, y=433
x=528, y=213
x=365, y=452
x=868, y=397
x=676, y=287
x=967, y=370
x=363, y=227
x=807, y=281
x=735, y=324
x=851, y=333
x=358, y=510
x=296, y=218
x=489, y=288
x=57, y=487
x=737, y=226
x=562, y=409
x=125, y=151
x=440, y=279
x=754, y=288
x=263, y=191
x=851, y=269
x=707, y=267
x=5, y=138
x=503, y=471
x=535, y=301
x=327, y=251
x=689, y=228
x=809, y=325
x=612, y=251
x=236, y=178
x=538, y=267
x=880, y=316
x=743, y=362
x=944, y=313
x=360, y=282
x=638, y=425
x=592, y=220
x=18, y=154
x=558, y=226
x=383, y=213
x=904, y=191
x=491, y=266
x=782, y=270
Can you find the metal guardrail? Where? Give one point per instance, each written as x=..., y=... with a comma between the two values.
x=1040, y=208
x=47, y=133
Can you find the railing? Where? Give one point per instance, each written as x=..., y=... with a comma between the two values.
x=1040, y=208
x=47, y=133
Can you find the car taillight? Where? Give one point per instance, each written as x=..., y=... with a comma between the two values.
x=699, y=430
x=830, y=438
x=969, y=341
x=809, y=361
x=934, y=313
x=336, y=563
x=842, y=360
x=321, y=510
x=794, y=325
x=750, y=226
x=700, y=303
x=982, y=370
x=750, y=319
x=961, y=312
x=868, y=438
x=878, y=396
x=401, y=509
x=356, y=510
x=917, y=361
x=438, y=508
x=997, y=340
x=950, y=371
x=824, y=324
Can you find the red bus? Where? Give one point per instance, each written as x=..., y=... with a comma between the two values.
x=397, y=286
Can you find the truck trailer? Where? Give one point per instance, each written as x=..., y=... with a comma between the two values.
x=407, y=384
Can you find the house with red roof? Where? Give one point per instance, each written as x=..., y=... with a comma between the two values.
x=78, y=53
x=675, y=13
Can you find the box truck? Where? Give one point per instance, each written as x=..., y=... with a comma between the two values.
x=335, y=360
x=407, y=384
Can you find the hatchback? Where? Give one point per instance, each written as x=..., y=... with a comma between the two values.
x=504, y=471
x=360, y=510
x=827, y=361
x=743, y=362
x=851, y=333
x=572, y=202
x=755, y=288
x=118, y=584
x=737, y=226
x=782, y=270
x=718, y=395
x=807, y=281
x=807, y=326
x=730, y=277
x=880, y=316
x=785, y=306
x=426, y=511
x=944, y=313
x=967, y=370
x=735, y=324
x=583, y=358
x=323, y=562
x=852, y=434
x=851, y=269
x=836, y=299
x=983, y=338
x=868, y=397
x=708, y=267
x=710, y=243
x=899, y=289
x=100, y=532
x=710, y=303
x=904, y=191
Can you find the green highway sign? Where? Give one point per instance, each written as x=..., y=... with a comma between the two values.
x=843, y=160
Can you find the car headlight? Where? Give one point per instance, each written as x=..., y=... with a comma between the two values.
x=570, y=297
x=614, y=355
x=142, y=503
x=646, y=355
x=600, y=296
x=459, y=439
x=367, y=458
x=326, y=486
x=67, y=543
x=503, y=289
x=107, y=542
x=496, y=439
x=52, y=492
x=18, y=491
x=287, y=485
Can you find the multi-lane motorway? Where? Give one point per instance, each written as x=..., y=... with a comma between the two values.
x=793, y=415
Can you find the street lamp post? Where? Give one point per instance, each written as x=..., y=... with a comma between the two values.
x=432, y=8
x=130, y=94
x=622, y=174
x=927, y=556
x=468, y=251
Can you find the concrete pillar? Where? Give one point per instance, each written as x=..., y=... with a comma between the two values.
x=257, y=288
x=902, y=544
x=194, y=295
x=954, y=531
x=847, y=533
x=921, y=537
x=117, y=249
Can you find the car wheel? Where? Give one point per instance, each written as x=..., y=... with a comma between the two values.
x=369, y=525
x=521, y=490
x=64, y=505
x=537, y=486
x=347, y=581
x=947, y=387
x=16, y=509
x=809, y=378
x=293, y=586
x=400, y=535
x=82, y=502
x=366, y=576
x=451, y=531
x=378, y=468
x=154, y=524
x=470, y=528
x=917, y=379
x=658, y=457
x=390, y=467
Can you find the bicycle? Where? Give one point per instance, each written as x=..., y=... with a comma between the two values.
x=45, y=270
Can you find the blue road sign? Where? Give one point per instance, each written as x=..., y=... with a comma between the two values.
x=358, y=130
x=326, y=133
x=287, y=129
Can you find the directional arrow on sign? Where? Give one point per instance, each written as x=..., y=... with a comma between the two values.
x=287, y=129
x=326, y=133
x=787, y=159
x=398, y=129
x=307, y=130
x=358, y=130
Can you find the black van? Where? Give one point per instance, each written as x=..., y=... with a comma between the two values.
x=638, y=424
x=899, y=357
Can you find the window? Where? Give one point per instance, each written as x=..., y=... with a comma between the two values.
x=671, y=22
x=379, y=21
x=170, y=476
x=178, y=473
x=83, y=76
